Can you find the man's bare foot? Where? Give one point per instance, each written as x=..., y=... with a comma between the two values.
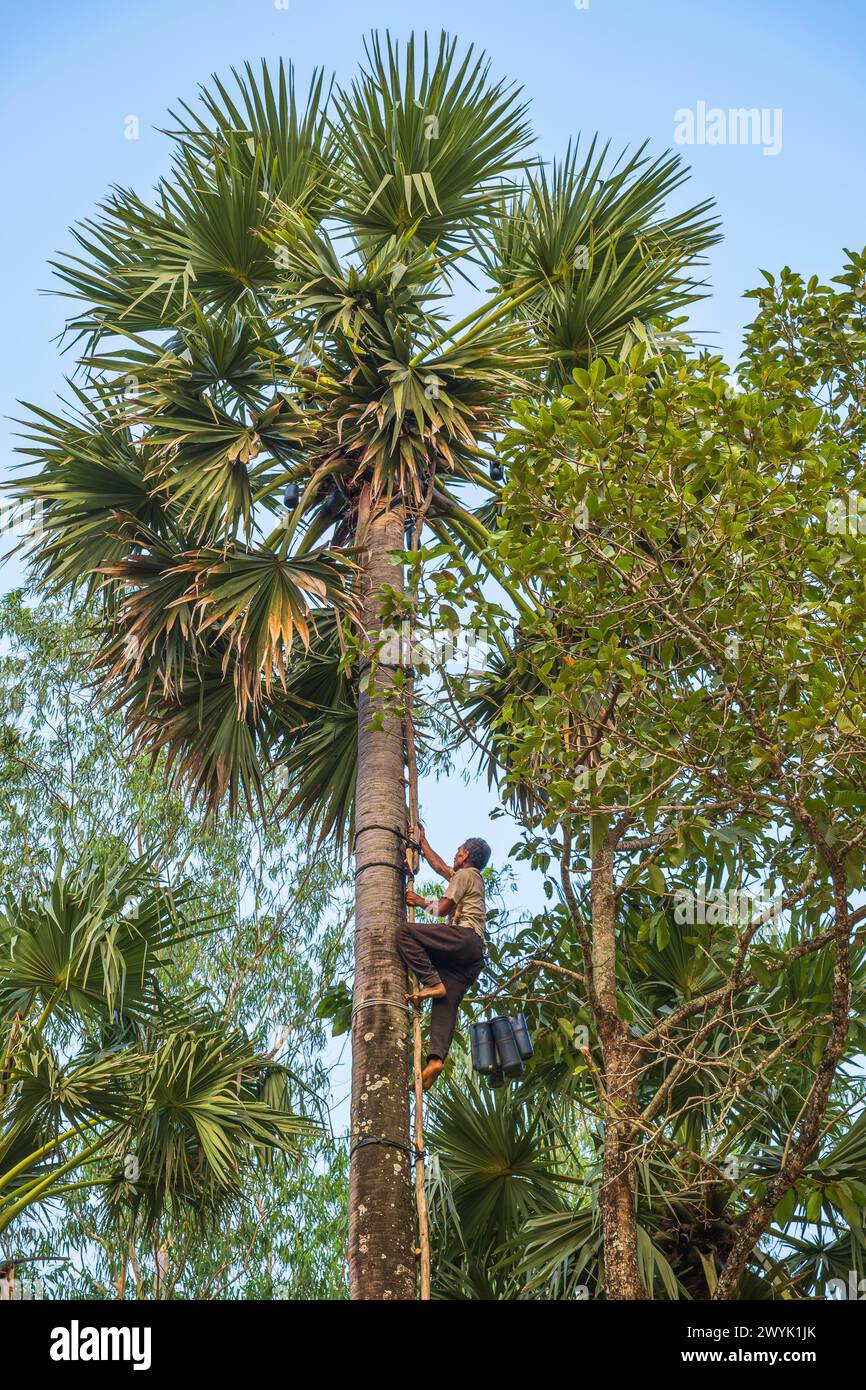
x=428, y=992
x=431, y=1072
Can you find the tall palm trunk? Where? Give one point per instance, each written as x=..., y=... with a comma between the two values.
x=381, y=1226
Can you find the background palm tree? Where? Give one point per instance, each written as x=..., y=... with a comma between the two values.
x=111, y=1076
x=271, y=324
x=277, y=921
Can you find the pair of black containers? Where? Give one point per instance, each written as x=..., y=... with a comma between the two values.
x=500, y=1046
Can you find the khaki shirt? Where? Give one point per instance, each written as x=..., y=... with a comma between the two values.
x=466, y=891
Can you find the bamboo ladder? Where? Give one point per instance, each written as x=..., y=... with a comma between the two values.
x=413, y=859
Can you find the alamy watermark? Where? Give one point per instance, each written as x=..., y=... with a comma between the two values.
x=19, y=1283
x=77, y=1343
x=467, y=646
x=21, y=518
x=846, y=516
x=738, y=125
x=853, y=1288
x=722, y=905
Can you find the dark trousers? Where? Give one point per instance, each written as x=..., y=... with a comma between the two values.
x=438, y=952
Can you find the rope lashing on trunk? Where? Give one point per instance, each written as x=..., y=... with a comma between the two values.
x=401, y=868
x=383, y=864
x=392, y=829
x=368, y=1004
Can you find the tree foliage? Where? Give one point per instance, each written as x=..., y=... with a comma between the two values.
x=679, y=728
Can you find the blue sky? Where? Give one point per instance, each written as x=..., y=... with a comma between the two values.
x=75, y=72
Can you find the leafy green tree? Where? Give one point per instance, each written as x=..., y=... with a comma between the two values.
x=273, y=321
x=681, y=728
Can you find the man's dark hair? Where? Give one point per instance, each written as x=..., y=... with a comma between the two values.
x=478, y=851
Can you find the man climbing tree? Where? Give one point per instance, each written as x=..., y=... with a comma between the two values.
x=449, y=958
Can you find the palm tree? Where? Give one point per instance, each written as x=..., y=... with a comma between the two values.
x=271, y=326
x=111, y=1076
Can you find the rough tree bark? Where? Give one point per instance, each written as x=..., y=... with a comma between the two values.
x=381, y=1223
x=621, y=1060
x=798, y=1151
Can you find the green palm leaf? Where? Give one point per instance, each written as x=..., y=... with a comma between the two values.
x=89, y=939
x=498, y=1163
x=592, y=254
x=295, y=150
x=427, y=142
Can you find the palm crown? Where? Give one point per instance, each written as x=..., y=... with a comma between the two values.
x=274, y=318
x=103, y=1059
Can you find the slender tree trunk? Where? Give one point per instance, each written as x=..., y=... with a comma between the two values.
x=622, y=1278
x=381, y=1224
x=797, y=1152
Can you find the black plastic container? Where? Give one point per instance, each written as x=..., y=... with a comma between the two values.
x=483, y=1049
x=506, y=1047
x=522, y=1038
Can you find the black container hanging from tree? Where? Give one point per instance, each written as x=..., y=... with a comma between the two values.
x=483, y=1049
x=506, y=1047
x=522, y=1038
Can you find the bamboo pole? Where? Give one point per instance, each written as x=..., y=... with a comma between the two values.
x=413, y=859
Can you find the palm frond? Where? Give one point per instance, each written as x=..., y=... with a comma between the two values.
x=427, y=141
x=91, y=472
x=497, y=1162
x=591, y=253
x=90, y=939
x=296, y=153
